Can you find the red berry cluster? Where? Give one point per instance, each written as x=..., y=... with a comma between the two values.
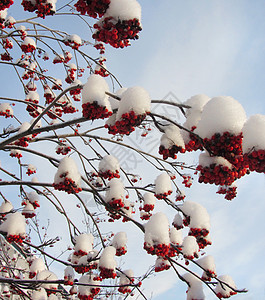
x=93, y=111
x=194, y=143
x=180, y=196
x=15, y=154
x=71, y=43
x=187, y=181
x=102, y=72
x=191, y=257
x=121, y=251
x=15, y=238
x=202, y=242
x=41, y=7
x=107, y=273
x=126, y=124
x=170, y=152
x=164, y=195
x=93, y=8
x=101, y=47
x=58, y=59
x=197, y=232
x=6, y=57
x=7, y=44
x=145, y=215
x=5, y=4
x=67, y=185
x=64, y=150
x=162, y=266
x=219, y=174
x=29, y=215
x=6, y=113
x=116, y=203
x=229, y=192
x=109, y=174
x=31, y=108
x=226, y=145
x=23, y=142
x=220, y=295
x=208, y=275
x=124, y=289
x=68, y=281
x=117, y=33
x=157, y=249
x=28, y=48
x=147, y=207
x=255, y=160
x=30, y=172
x=81, y=269
x=75, y=93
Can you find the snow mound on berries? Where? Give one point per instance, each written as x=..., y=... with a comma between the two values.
x=5, y=207
x=115, y=190
x=119, y=240
x=84, y=242
x=175, y=236
x=199, y=217
x=193, y=114
x=224, y=290
x=253, y=133
x=94, y=90
x=114, y=102
x=107, y=258
x=219, y=115
x=172, y=136
x=67, y=166
x=195, y=290
x=205, y=160
x=14, y=224
x=134, y=99
x=109, y=162
x=163, y=184
x=5, y=107
x=124, y=10
x=157, y=229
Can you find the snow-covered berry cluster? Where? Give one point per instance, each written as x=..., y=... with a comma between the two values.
x=119, y=242
x=156, y=238
x=148, y=206
x=74, y=41
x=161, y=264
x=28, y=45
x=107, y=263
x=5, y=4
x=31, y=169
x=67, y=177
x=109, y=167
x=93, y=8
x=163, y=186
x=6, y=110
x=115, y=194
x=42, y=8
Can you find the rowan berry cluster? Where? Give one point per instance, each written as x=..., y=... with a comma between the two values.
x=117, y=33
x=170, y=152
x=67, y=185
x=109, y=174
x=15, y=238
x=255, y=160
x=93, y=8
x=107, y=273
x=121, y=251
x=5, y=4
x=164, y=195
x=42, y=8
x=157, y=249
x=93, y=111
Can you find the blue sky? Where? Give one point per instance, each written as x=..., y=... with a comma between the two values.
x=215, y=47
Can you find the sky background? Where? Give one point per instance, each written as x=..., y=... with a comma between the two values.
x=215, y=47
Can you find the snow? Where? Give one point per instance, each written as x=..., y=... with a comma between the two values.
x=205, y=160
x=172, y=136
x=134, y=99
x=37, y=266
x=115, y=190
x=39, y=294
x=223, y=289
x=149, y=198
x=67, y=166
x=219, y=115
x=109, y=162
x=107, y=258
x=163, y=184
x=47, y=275
x=124, y=276
x=3, y=14
x=69, y=272
x=199, y=217
x=207, y=263
x=33, y=197
x=5, y=207
x=175, y=236
x=114, y=102
x=74, y=38
x=94, y=90
x=5, y=107
x=85, y=290
x=124, y=10
x=84, y=242
x=190, y=246
x=253, y=134
x=157, y=230
x=178, y=221
x=119, y=240
x=14, y=224
x=29, y=41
